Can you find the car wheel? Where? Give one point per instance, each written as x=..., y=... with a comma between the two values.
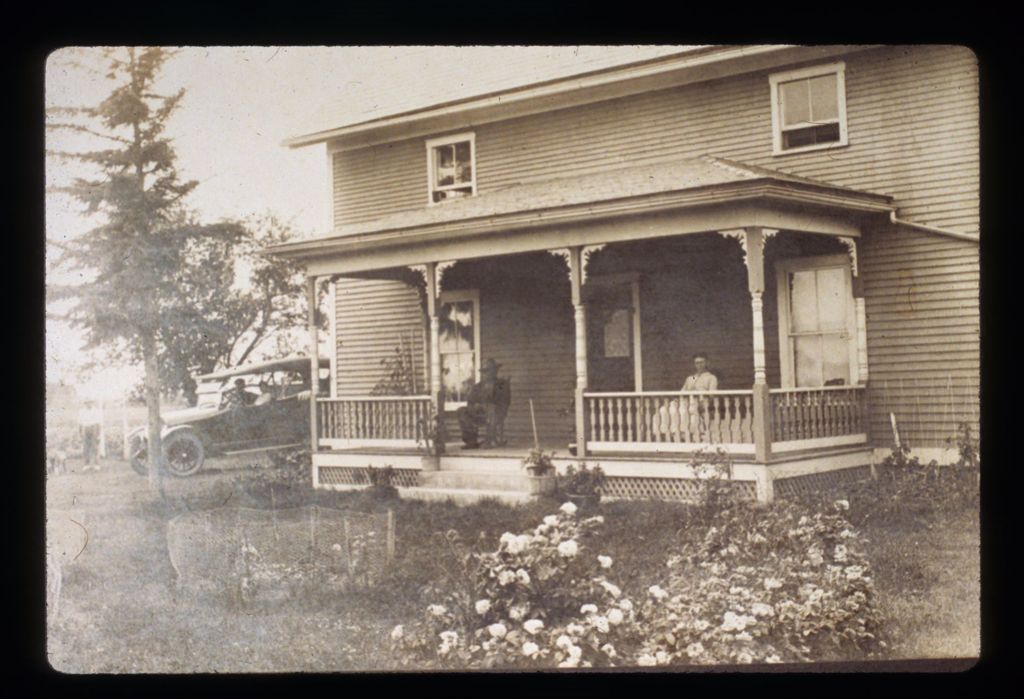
x=138, y=455
x=183, y=453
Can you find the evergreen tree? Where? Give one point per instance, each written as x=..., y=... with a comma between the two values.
x=130, y=299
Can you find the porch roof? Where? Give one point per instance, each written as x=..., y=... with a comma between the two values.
x=677, y=184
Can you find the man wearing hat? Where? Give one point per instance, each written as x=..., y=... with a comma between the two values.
x=486, y=406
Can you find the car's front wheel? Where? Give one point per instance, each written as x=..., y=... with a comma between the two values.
x=183, y=453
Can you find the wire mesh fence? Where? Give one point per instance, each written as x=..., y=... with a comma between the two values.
x=299, y=550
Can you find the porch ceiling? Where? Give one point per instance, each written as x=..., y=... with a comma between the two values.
x=671, y=198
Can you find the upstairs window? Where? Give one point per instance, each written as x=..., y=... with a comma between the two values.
x=809, y=108
x=451, y=167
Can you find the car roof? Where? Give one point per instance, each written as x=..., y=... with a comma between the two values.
x=300, y=364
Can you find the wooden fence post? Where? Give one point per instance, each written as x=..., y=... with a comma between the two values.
x=391, y=536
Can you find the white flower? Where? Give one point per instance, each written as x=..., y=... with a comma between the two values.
x=772, y=583
x=615, y=616
x=661, y=657
x=507, y=538
x=497, y=630
x=841, y=505
x=506, y=577
x=657, y=593
x=773, y=659
x=625, y=605
x=694, y=649
x=551, y=520
x=563, y=641
x=609, y=650
x=530, y=649
x=854, y=572
x=846, y=534
x=397, y=633
x=483, y=606
x=736, y=622
x=517, y=612
x=450, y=637
x=840, y=553
x=517, y=544
x=601, y=623
x=744, y=637
x=762, y=609
x=568, y=548
x=588, y=609
x=575, y=629
x=436, y=610
x=614, y=591
x=568, y=508
x=336, y=547
x=745, y=658
x=575, y=652
x=523, y=576
x=569, y=662
x=533, y=626
x=605, y=561
x=701, y=625
x=646, y=660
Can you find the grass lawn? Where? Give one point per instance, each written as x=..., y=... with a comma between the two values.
x=121, y=611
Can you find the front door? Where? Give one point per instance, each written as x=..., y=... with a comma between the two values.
x=612, y=343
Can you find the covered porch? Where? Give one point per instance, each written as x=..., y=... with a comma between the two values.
x=595, y=322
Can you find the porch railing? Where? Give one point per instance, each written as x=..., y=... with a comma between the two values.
x=829, y=414
x=371, y=420
x=668, y=421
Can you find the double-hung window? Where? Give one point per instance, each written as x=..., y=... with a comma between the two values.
x=451, y=167
x=809, y=108
x=459, y=336
x=817, y=323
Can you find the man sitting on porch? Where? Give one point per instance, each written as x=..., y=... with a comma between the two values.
x=701, y=380
x=486, y=406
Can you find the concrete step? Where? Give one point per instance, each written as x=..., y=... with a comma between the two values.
x=482, y=463
x=465, y=496
x=475, y=480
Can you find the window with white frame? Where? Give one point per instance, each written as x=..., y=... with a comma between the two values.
x=817, y=322
x=451, y=167
x=809, y=108
x=459, y=343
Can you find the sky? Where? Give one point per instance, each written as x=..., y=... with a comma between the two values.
x=242, y=102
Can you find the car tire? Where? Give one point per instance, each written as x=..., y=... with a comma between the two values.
x=184, y=453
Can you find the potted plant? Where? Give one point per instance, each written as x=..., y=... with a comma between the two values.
x=540, y=471
x=582, y=485
x=431, y=441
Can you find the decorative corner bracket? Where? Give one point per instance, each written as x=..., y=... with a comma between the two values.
x=564, y=254
x=588, y=250
x=851, y=245
x=739, y=236
x=420, y=270
x=443, y=267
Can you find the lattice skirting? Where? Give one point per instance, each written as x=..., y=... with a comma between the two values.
x=816, y=482
x=676, y=489
x=350, y=475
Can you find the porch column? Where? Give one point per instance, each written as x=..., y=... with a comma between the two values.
x=314, y=362
x=580, y=318
x=754, y=244
x=435, y=337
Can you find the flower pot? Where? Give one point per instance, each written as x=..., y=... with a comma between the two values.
x=583, y=501
x=572, y=448
x=542, y=485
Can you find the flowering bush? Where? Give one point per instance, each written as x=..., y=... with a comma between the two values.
x=541, y=600
x=764, y=585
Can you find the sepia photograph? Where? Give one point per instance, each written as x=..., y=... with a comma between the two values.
x=447, y=359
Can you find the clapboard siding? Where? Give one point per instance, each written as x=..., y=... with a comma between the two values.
x=913, y=131
x=373, y=317
x=921, y=295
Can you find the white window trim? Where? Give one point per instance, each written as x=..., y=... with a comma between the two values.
x=633, y=279
x=452, y=297
x=839, y=70
x=782, y=270
x=433, y=143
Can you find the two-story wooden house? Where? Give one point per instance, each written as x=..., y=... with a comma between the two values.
x=806, y=217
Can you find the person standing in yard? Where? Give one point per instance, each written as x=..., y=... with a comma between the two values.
x=698, y=408
x=89, y=419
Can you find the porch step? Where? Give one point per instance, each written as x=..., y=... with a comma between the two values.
x=475, y=480
x=465, y=496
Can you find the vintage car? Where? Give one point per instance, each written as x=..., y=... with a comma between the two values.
x=273, y=412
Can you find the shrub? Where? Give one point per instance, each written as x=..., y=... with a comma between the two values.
x=584, y=482
x=541, y=600
x=764, y=585
x=287, y=482
x=382, y=482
